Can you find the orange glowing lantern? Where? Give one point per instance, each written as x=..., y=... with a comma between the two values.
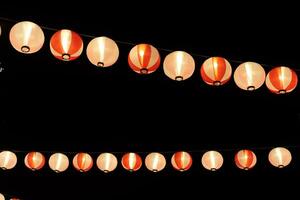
x=212, y=160
x=245, y=159
x=131, y=162
x=58, y=162
x=216, y=71
x=144, y=58
x=182, y=161
x=107, y=162
x=8, y=160
x=66, y=45
x=155, y=162
x=281, y=80
x=280, y=157
x=34, y=160
x=83, y=162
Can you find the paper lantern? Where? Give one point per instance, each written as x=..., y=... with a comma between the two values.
x=34, y=160
x=131, y=162
x=58, y=162
x=280, y=157
x=281, y=80
x=182, y=161
x=216, y=71
x=83, y=162
x=66, y=45
x=102, y=52
x=8, y=160
x=144, y=59
x=155, y=162
x=107, y=162
x=179, y=65
x=1, y=195
x=249, y=76
x=26, y=37
x=245, y=159
x=212, y=160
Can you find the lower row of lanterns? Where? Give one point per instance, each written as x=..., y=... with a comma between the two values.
x=155, y=162
x=27, y=37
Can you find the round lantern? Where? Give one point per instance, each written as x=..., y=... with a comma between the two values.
x=66, y=45
x=144, y=58
x=249, y=76
x=34, y=160
x=107, y=162
x=182, y=161
x=131, y=162
x=102, y=52
x=245, y=159
x=26, y=37
x=83, y=162
x=8, y=160
x=280, y=157
x=1, y=195
x=155, y=162
x=212, y=160
x=58, y=162
x=179, y=65
x=216, y=71
x=281, y=80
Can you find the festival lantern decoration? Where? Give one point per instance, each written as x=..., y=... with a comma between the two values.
x=245, y=159
x=249, y=76
x=58, y=162
x=144, y=59
x=1, y=195
x=66, y=45
x=83, y=162
x=34, y=160
x=280, y=157
x=26, y=37
x=281, y=80
x=102, y=51
x=216, y=71
x=107, y=162
x=155, y=162
x=179, y=65
x=131, y=162
x=212, y=160
x=8, y=160
x=182, y=161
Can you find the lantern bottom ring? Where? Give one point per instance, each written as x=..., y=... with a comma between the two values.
x=66, y=56
x=155, y=170
x=4, y=168
x=282, y=91
x=178, y=78
x=144, y=71
x=81, y=170
x=182, y=169
x=217, y=83
x=131, y=170
x=105, y=171
x=250, y=88
x=246, y=168
x=25, y=49
x=280, y=166
x=57, y=171
x=100, y=64
x=213, y=169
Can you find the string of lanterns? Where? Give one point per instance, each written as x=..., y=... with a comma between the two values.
x=107, y=162
x=27, y=37
x=2, y=197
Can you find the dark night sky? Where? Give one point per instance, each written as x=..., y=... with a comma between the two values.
x=50, y=105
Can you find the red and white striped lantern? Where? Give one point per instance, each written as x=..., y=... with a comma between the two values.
x=281, y=80
x=182, y=161
x=216, y=71
x=131, y=162
x=66, y=45
x=34, y=160
x=245, y=159
x=144, y=59
x=83, y=162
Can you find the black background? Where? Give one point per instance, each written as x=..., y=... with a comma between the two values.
x=49, y=105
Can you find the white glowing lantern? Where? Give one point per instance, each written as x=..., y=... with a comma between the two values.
x=26, y=37
x=212, y=160
x=249, y=76
x=1, y=195
x=107, y=162
x=8, y=160
x=155, y=162
x=58, y=162
x=280, y=157
x=179, y=65
x=102, y=51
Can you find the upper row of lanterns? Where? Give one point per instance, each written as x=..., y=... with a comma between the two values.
x=27, y=37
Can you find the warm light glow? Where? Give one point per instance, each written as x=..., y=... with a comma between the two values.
x=1, y=195
x=179, y=59
x=212, y=160
x=155, y=162
x=101, y=43
x=8, y=160
x=280, y=157
x=215, y=64
x=107, y=162
x=66, y=38
x=27, y=28
x=181, y=161
x=249, y=74
x=58, y=162
x=131, y=160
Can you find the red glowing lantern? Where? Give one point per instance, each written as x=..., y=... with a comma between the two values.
x=131, y=162
x=216, y=71
x=83, y=162
x=245, y=159
x=66, y=45
x=144, y=58
x=281, y=80
x=182, y=161
x=34, y=160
